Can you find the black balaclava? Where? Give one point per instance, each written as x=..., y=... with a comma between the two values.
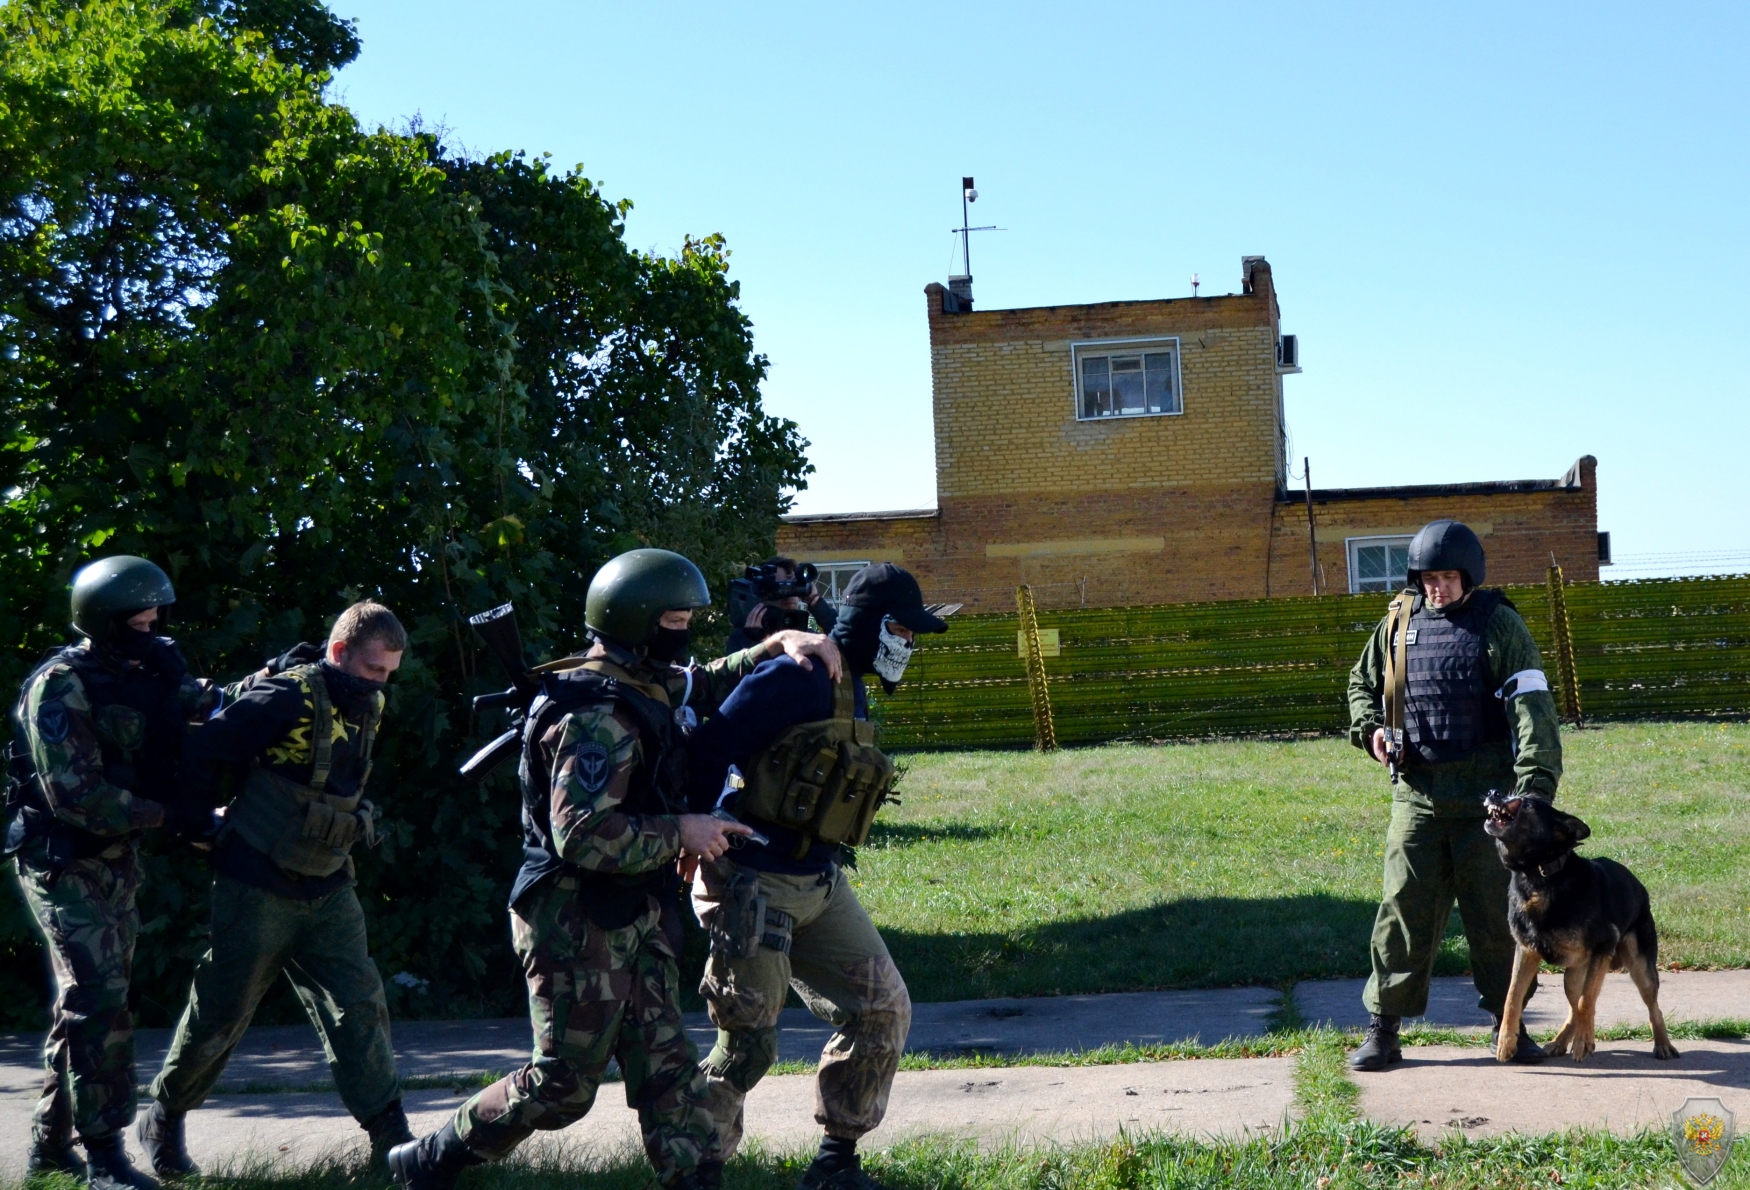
x=669, y=646
x=355, y=696
x=128, y=642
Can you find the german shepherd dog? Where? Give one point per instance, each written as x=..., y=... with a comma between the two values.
x=1586, y=916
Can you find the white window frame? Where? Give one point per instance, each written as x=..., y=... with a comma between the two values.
x=1097, y=347
x=833, y=571
x=1349, y=547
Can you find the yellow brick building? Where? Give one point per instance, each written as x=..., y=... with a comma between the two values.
x=1134, y=452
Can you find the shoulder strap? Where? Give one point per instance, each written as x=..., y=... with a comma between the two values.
x=368, y=738
x=607, y=668
x=321, y=724
x=1397, y=658
x=844, y=697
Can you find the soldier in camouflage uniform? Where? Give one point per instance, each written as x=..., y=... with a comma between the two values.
x=603, y=771
x=781, y=914
x=293, y=745
x=1478, y=716
x=94, y=762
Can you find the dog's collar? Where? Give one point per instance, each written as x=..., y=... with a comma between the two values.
x=1551, y=868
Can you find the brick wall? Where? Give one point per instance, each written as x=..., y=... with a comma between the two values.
x=1158, y=509
x=1519, y=529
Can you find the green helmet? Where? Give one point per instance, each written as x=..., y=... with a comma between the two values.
x=628, y=595
x=116, y=586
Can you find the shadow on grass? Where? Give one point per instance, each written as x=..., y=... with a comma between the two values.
x=906, y=834
x=1191, y=943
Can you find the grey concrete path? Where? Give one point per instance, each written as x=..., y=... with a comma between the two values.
x=1621, y=1087
x=1024, y=1104
x=290, y=1056
x=1452, y=1001
x=1435, y=1088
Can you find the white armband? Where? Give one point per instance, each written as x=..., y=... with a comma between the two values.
x=1526, y=681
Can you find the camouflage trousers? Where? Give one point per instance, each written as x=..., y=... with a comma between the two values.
x=322, y=948
x=89, y=921
x=596, y=994
x=840, y=967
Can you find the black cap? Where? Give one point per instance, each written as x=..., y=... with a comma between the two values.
x=885, y=588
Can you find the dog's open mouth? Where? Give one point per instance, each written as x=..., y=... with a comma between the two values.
x=1501, y=812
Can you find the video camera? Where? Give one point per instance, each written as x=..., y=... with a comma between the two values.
x=761, y=584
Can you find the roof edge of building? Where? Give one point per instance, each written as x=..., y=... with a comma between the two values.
x=825, y=518
x=1429, y=490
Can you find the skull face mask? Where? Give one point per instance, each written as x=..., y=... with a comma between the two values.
x=892, y=653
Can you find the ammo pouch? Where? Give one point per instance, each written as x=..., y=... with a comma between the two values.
x=824, y=780
x=744, y=922
x=304, y=830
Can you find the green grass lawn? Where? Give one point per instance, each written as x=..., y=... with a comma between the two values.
x=1247, y=862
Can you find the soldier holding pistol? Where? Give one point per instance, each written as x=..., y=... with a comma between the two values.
x=603, y=774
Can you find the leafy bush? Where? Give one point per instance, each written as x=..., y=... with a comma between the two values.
x=297, y=362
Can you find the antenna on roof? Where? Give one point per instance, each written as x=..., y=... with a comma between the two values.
x=961, y=286
x=1195, y=282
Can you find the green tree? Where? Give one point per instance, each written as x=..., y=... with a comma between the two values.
x=296, y=361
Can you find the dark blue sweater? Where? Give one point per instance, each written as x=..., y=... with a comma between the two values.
x=763, y=706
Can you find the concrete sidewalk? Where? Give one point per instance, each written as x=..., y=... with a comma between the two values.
x=1025, y=1104
x=1434, y=1089
x=290, y=1056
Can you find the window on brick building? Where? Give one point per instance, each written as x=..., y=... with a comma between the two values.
x=834, y=576
x=1126, y=378
x=1378, y=564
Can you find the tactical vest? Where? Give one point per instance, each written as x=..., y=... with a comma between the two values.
x=824, y=780
x=1450, y=708
x=658, y=786
x=302, y=828
x=137, y=716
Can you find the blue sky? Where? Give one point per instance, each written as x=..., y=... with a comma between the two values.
x=1507, y=235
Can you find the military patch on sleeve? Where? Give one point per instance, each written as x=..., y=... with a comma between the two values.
x=593, y=766
x=52, y=724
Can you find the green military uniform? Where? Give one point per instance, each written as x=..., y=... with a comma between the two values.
x=283, y=898
x=84, y=766
x=1436, y=850
x=601, y=968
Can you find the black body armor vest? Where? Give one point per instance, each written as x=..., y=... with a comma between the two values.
x=1450, y=705
x=150, y=770
x=659, y=786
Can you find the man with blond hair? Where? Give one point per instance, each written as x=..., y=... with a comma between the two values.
x=288, y=755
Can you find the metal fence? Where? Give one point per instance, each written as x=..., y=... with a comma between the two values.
x=1656, y=648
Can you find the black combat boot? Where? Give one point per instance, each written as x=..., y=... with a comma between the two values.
x=837, y=1166
x=432, y=1162
x=109, y=1167
x=708, y=1175
x=1529, y=1052
x=387, y=1128
x=1379, y=1048
x=160, y=1133
x=52, y=1155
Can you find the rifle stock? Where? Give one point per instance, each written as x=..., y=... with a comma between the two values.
x=498, y=630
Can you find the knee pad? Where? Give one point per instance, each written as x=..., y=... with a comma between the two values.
x=742, y=1058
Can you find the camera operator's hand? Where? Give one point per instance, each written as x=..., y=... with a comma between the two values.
x=705, y=837
x=800, y=646
x=756, y=619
